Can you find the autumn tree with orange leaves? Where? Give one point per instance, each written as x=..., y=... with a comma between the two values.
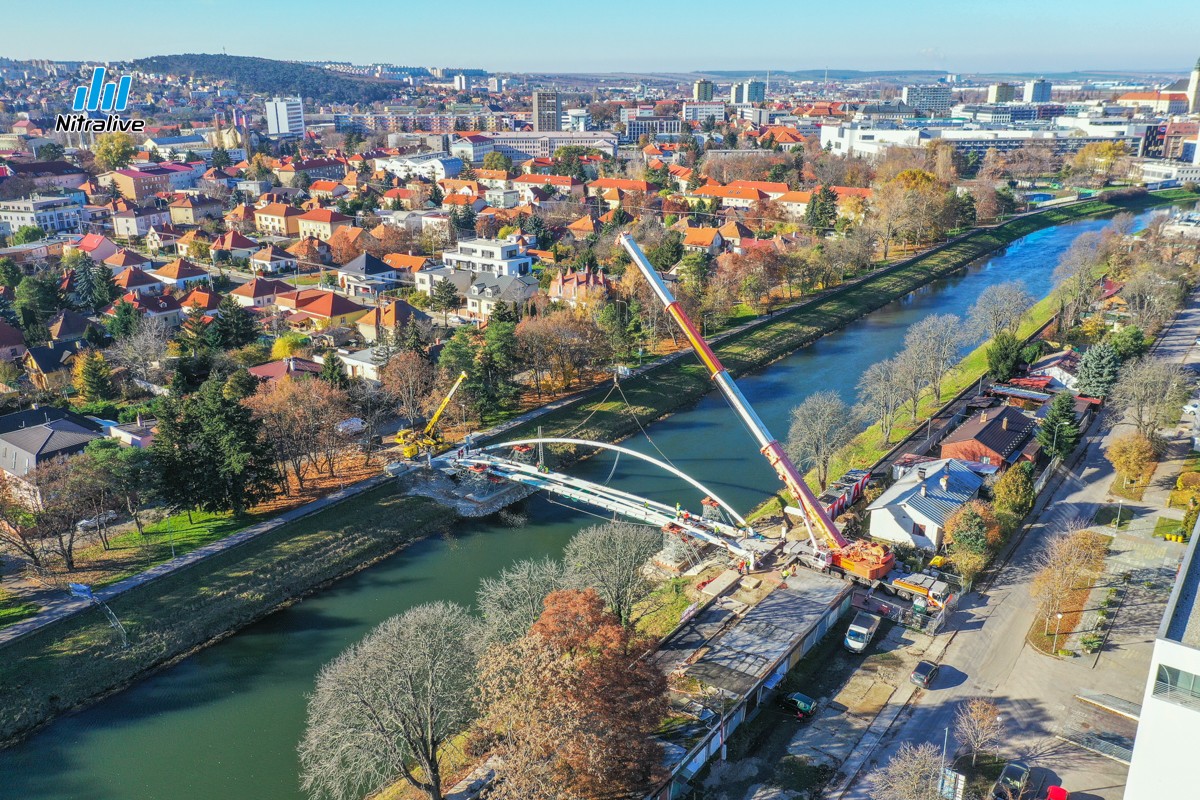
x=574, y=706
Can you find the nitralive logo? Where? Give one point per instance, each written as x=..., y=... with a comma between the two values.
x=103, y=98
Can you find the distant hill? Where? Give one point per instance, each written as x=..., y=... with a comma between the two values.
x=265, y=76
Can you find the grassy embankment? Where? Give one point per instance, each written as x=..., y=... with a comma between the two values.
x=672, y=386
x=68, y=663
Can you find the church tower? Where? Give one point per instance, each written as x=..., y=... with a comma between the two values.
x=1193, y=90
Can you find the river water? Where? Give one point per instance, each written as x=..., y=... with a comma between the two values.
x=224, y=723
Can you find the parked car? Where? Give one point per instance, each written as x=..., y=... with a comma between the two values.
x=799, y=704
x=1057, y=793
x=95, y=522
x=924, y=674
x=1011, y=783
x=351, y=427
x=861, y=631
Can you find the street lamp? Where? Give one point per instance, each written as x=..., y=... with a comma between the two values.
x=1057, y=625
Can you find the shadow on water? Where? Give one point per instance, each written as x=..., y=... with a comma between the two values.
x=225, y=721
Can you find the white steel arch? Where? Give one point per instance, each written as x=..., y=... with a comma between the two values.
x=617, y=448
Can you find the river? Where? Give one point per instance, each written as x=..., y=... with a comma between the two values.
x=224, y=722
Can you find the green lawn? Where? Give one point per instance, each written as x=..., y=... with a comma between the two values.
x=13, y=609
x=1106, y=516
x=1165, y=526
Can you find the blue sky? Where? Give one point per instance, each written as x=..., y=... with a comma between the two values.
x=627, y=35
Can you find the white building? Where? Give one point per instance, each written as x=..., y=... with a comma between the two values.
x=700, y=111
x=472, y=148
x=285, y=117
x=1037, y=91
x=492, y=256
x=913, y=511
x=51, y=214
x=431, y=166
x=873, y=140
x=1165, y=746
x=930, y=100
x=524, y=145
x=577, y=119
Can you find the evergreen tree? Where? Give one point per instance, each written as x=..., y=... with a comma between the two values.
x=822, y=209
x=435, y=195
x=410, y=337
x=503, y=312
x=193, y=335
x=1059, y=431
x=1003, y=356
x=234, y=325
x=92, y=377
x=444, y=298
x=35, y=301
x=10, y=273
x=124, y=321
x=220, y=158
x=104, y=288
x=82, y=283
x=1098, y=371
x=7, y=312
x=333, y=371
x=695, y=180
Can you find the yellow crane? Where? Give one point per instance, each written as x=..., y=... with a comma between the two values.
x=413, y=442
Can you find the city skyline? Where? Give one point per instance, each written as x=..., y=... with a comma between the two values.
x=622, y=40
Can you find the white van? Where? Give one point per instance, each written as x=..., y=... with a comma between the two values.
x=861, y=631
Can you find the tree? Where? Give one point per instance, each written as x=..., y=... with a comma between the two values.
x=973, y=526
x=35, y=301
x=1150, y=392
x=92, y=377
x=220, y=158
x=1000, y=307
x=978, y=726
x=124, y=320
x=212, y=453
x=1130, y=455
x=195, y=335
x=822, y=211
x=1064, y=564
x=1097, y=371
x=880, y=395
x=234, y=325
x=913, y=773
x=512, y=601
x=913, y=375
x=1059, y=432
x=128, y=472
x=333, y=371
x=10, y=274
x=409, y=380
x=444, y=297
x=821, y=426
x=51, y=151
x=935, y=342
x=1129, y=342
x=1014, y=494
x=27, y=234
x=1075, y=275
x=1003, y=356
x=299, y=420
x=498, y=161
x=386, y=708
x=144, y=350
x=575, y=705
x=560, y=344
x=113, y=150
x=611, y=558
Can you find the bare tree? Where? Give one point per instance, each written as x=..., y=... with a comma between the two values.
x=1001, y=307
x=912, y=774
x=383, y=710
x=1150, y=392
x=512, y=601
x=409, y=378
x=821, y=426
x=143, y=352
x=935, y=342
x=912, y=376
x=1075, y=275
x=978, y=726
x=1063, y=564
x=611, y=559
x=880, y=395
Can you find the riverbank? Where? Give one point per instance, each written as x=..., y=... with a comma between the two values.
x=79, y=660
x=604, y=415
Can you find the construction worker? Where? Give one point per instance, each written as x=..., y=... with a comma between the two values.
x=678, y=510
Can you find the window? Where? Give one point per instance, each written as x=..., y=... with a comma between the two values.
x=1178, y=687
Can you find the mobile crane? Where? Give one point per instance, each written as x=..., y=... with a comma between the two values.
x=412, y=442
x=863, y=562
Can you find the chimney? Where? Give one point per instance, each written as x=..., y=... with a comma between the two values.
x=1004, y=424
x=924, y=491
x=983, y=415
x=945, y=482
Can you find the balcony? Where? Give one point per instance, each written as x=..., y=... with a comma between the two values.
x=1188, y=698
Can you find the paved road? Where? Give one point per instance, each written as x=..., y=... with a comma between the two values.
x=988, y=655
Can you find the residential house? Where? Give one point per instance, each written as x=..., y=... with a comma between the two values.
x=327, y=190
x=583, y=227
x=703, y=240
x=321, y=223
x=139, y=282
x=493, y=178
x=272, y=260
x=311, y=251
x=584, y=288
x=913, y=510
x=49, y=366
x=487, y=290
x=206, y=300
x=277, y=219
x=69, y=326
x=124, y=259
x=318, y=308
x=390, y=314
x=48, y=174
x=95, y=246
x=599, y=186
x=193, y=209
x=162, y=237
x=399, y=198
x=1061, y=367
x=12, y=342
x=137, y=222
x=347, y=240
x=138, y=184
x=22, y=450
x=406, y=266
x=196, y=243
x=240, y=218
x=425, y=278
x=139, y=433
x=235, y=244
x=181, y=274
x=997, y=436
x=494, y=256
x=157, y=306
x=559, y=184
x=366, y=276
x=291, y=367
x=730, y=196
x=461, y=202
x=361, y=363
x=260, y=292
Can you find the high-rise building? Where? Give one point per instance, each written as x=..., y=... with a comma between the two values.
x=461, y=83
x=929, y=100
x=700, y=111
x=1037, y=91
x=547, y=111
x=737, y=93
x=1001, y=93
x=1193, y=93
x=756, y=92
x=285, y=117
x=702, y=90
